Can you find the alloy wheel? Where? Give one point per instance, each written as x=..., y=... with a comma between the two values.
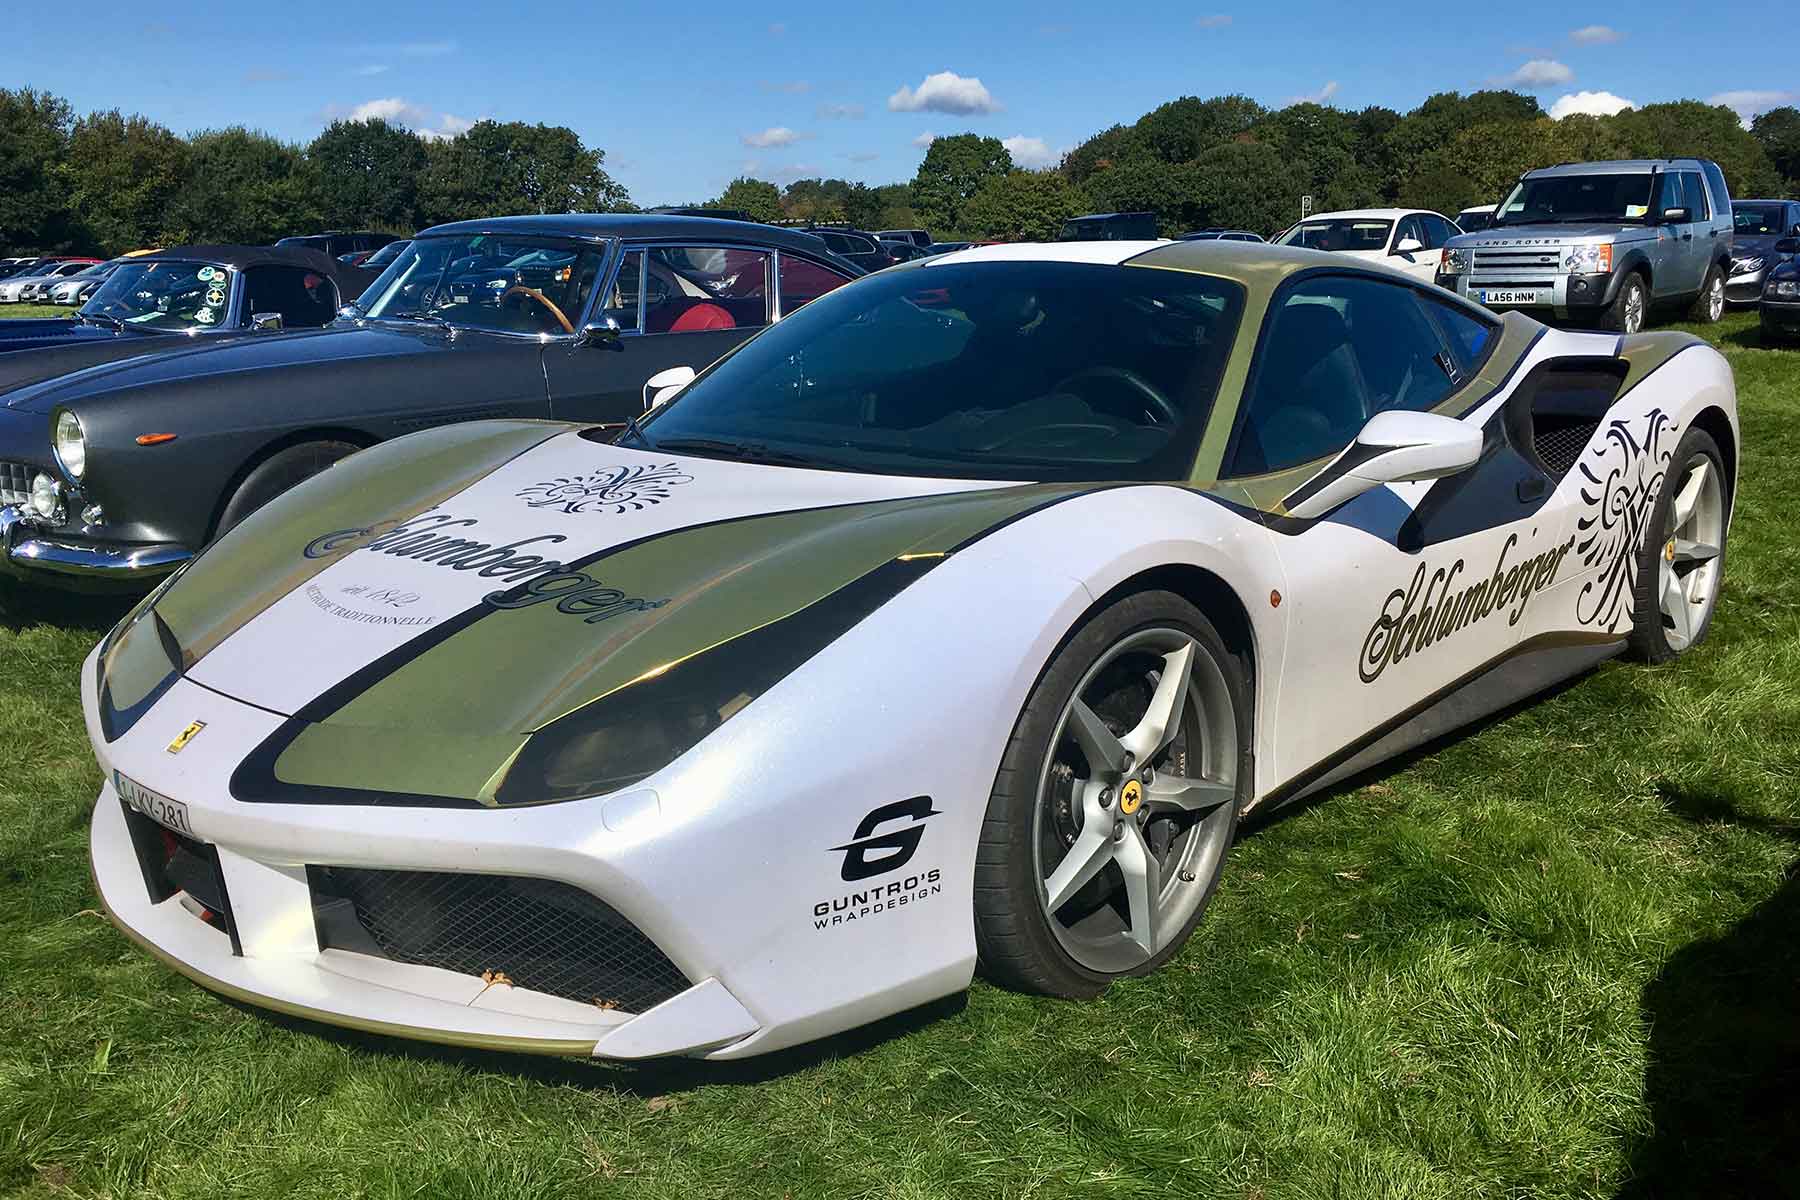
x=1134, y=802
x=1688, y=568
x=1634, y=310
x=1715, y=299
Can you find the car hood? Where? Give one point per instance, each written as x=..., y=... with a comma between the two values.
x=23, y=363
x=1760, y=245
x=459, y=589
x=202, y=357
x=1555, y=235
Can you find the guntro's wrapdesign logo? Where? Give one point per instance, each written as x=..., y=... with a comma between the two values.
x=610, y=489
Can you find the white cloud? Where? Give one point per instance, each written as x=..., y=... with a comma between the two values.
x=1594, y=35
x=1541, y=72
x=430, y=125
x=1593, y=104
x=793, y=87
x=925, y=139
x=945, y=92
x=1030, y=153
x=794, y=171
x=1747, y=102
x=373, y=69
x=841, y=112
x=1319, y=97
x=777, y=135
x=1213, y=21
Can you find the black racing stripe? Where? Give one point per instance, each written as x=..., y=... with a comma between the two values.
x=1353, y=456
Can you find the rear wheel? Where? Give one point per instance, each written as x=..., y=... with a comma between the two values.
x=1682, y=561
x=1709, y=305
x=1115, y=802
x=276, y=474
x=1626, y=314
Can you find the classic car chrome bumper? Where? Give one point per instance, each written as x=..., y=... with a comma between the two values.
x=28, y=551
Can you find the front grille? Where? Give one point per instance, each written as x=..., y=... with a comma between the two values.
x=1522, y=258
x=543, y=935
x=15, y=482
x=174, y=863
x=1559, y=448
x=1485, y=282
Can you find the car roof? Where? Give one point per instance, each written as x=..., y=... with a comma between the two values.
x=1371, y=214
x=1212, y=257
x=244, y=257
x=1481, y=208
x=633, y=225
x=1616, y=166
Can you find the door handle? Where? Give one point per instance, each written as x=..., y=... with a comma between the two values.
x=1533, y=487
x=1687, y=237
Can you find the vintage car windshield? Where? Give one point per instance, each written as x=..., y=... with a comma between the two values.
x=1552, y=199
x=1340, y=233
x=164, y=295
x=520, y=285
x=1758, y=220
x=1010, y=370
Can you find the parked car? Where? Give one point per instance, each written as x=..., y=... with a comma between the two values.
x=1781, y=295
x=958, y=618
x=1110, y=227
x=947, y=247
x=1475, y=219
x=376, y=261
x=36, y=289
x=335, y=242
x=903, y=251
x=1757, y=227
x=851, y=245
x=917, y=237
x=1222, y=235
x=12, y=266
x=125, y=472
x=1403, y=239
x=12, y=289
x=690, y=210
x=1603, y=243
x=73, y=290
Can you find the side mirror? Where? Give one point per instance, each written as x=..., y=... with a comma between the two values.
x=349, y=312
x=604, y=332
x=662, y=386
x=1394, y=447
x=1676, y=216
x=1787, y=247
x=1408, y=246
x=265, y=322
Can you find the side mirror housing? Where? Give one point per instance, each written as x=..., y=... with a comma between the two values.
x=604, y=332
x=1394, y=447
x=1676, y=216
x=1408, y=246
x=349, y=312
x=1787, y=247
x=267, y=322
x=661, y=387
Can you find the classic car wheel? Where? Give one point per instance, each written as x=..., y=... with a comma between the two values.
x=1115, y=801
x=1709, y=305
x=276, y=474
x=1627, y=312
x=1681, y=565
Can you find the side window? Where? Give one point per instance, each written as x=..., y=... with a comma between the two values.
x=1336, y=350
x=1438, y=230
x=1668, y=191
x=626, y=302
x=803, y=282
x=303, y=298
x=1408, y=228
x=693, y=289
x=1469, y=336
x=1693, y=194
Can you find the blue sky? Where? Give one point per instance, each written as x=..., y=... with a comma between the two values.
x=684, y=97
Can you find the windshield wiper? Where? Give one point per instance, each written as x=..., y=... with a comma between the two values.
x=107, y=322
x=741, y=451
x=428, y=318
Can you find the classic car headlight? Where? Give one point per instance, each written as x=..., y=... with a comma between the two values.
x=46, y=498
x=70, y=444
x=1587, y=260
x=499, y=285
x=1453, y=261
x=1787, y=289
x=1740, y=266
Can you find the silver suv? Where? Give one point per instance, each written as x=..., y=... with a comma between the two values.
x=1602, y=243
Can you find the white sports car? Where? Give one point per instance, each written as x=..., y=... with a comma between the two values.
x=957, y=618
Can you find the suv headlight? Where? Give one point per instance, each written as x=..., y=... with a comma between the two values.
x=1453, y=261
x=1787, y=289
x=70, y=444
x=1587, y=260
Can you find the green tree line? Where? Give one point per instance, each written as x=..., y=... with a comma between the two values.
x=105, y=183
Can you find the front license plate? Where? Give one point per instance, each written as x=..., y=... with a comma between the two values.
x=1513, y=296
x=170, y=814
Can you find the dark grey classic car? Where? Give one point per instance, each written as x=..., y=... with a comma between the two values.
x=124, y=471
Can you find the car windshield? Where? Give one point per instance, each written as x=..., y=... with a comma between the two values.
x=518, y=285
x=1758, y=220
x=999, y=370
x=1340, y=233
x=1470, y=222
x=164, y=295
x=97, y=269
x=1553, y=199
x=382, y=257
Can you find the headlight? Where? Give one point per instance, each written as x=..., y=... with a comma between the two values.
x=1787, y=289
x=499, y=285
x=46, y=498
x=1453, y=261
x=70, y=444
x=1740, y=266
x=1587, y=260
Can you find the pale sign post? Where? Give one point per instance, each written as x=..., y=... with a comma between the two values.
x=1305, y=207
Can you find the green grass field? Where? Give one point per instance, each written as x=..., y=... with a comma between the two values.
x=1560, y=956
x=34, y=310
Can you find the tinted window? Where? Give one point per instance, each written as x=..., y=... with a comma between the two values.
x=1470, y=336
x=1668, y=191
x=1340, y=233
x=1438, y=230
x=1337, y=350
x=1759, y=220
x=1693, y=190
x=691, y=289
x=803, y=282
x=1007, y=370
x=1410, y=227
x=303, y=298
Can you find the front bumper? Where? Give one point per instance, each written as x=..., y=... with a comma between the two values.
x=29, y=549
x=1564, y=295
x=1781, y=319
x=1746, y=287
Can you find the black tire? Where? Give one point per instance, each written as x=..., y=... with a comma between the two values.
x=1013, y=938
x=1616, y=317
x=1706, y=309
x=1649, y=639
x=276, y=474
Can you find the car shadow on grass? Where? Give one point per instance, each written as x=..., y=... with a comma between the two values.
x=23, y=605
x=1723, y=1076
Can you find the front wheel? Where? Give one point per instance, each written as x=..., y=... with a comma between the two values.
x=1709, y=305
x=276, y=474
x=1115, y=802
x=1626, y=315
x=1682, y=561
